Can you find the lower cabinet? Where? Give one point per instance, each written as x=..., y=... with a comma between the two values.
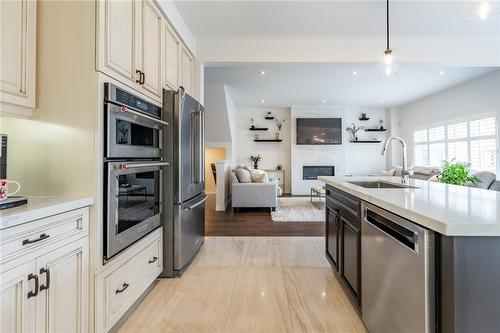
x=45, y=289
x=351, y=257
x=343, y=240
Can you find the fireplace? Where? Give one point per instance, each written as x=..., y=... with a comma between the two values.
x=311, y=172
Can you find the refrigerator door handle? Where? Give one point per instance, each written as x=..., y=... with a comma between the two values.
x=196, y=147
x=202, y=146
x=196, y=204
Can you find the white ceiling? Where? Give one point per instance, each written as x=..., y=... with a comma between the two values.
x=284, y=85
x=337, y=19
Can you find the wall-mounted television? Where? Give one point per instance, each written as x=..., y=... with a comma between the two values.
x=319, y=131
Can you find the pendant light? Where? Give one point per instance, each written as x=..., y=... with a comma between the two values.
x=388, y=59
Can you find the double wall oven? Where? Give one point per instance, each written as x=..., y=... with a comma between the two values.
x=133, y=169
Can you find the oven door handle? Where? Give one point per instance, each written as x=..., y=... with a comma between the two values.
x=142, y=165
x=197, y=204
x=142, y=115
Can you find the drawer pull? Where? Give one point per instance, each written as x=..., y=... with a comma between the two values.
x=35, y=291
x=122, y=289
x=47, y=278
x=153, y=260
x=30, y=241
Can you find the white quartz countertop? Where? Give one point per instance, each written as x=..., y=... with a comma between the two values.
x=39, y=208
x=447, y=209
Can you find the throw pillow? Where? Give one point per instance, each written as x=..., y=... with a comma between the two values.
x=485, y=179
x=243, y=175
x=259, y=176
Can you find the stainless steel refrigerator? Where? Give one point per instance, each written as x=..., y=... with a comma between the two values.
x=184, y=213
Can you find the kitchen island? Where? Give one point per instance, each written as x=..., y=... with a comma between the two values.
x=425, y=253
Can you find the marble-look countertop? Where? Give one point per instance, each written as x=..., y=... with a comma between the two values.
x=447, y=209
x=39, y=208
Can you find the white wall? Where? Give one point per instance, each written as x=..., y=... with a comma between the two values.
x=481, y=95
x=273, y=153
x=348, y=158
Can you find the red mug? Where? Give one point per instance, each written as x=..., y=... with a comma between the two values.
x=4, y=194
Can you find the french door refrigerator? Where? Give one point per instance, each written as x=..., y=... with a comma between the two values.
x=184, y=146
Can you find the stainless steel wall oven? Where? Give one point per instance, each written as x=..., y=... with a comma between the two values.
x=134, y=173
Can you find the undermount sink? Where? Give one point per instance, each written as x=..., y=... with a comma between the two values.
x=380, y=184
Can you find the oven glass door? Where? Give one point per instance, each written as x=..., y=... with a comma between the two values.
x=134, y=202
x=130, y=136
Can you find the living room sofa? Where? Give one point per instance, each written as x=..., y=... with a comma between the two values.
x=250, y=195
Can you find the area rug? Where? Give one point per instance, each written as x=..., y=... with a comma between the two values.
x=298, y=209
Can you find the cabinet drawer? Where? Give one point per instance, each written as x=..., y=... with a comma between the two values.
x=349, y=202
x=31, y=236
x=124, y=285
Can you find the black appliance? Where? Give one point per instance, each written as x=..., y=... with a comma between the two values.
x=15, y=200
x=184, y=145
x=134, y=171
x=319, y=131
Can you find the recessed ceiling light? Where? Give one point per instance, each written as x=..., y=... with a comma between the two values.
x=323, y=101
x=483, y=11
x=441, y=72
x=381, y=101
x=263, y=101
x=262, y=73
x=354, y=73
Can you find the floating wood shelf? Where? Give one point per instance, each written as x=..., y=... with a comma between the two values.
x=269, y=118
x=364, y=119
x=258, y=128
x=267, y=140
x=367, y=141
x=375, y=129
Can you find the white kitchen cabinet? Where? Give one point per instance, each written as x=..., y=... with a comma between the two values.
x=17, y=311
x=129, y=44
x=17, y=53
x=62, y=303
x=171, y=66
x=187, y=71
x=44, y=274
x=150, y=64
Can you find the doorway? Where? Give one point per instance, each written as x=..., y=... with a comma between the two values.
x=212, y=155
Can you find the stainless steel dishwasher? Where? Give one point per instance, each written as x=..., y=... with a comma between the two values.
x=397, y=273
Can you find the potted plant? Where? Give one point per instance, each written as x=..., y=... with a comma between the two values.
x=279, y=123
x=255, y=159
x=353, y=130
x=457, y=173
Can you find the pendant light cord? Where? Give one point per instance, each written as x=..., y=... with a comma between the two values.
x=387, y=23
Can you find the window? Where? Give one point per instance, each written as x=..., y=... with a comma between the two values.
x=471, y=141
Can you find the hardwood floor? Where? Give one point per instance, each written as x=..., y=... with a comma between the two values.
x=250, y=284
x=254, y=222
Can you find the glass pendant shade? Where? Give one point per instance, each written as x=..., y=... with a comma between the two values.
x=388, y=63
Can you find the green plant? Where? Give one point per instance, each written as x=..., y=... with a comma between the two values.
x=457, y=173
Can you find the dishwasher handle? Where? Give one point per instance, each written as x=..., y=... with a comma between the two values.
x=404, y=236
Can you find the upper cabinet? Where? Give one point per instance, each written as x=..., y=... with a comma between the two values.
x=171, y=49
x=17, y=54
x=129, y=44
x=187, y=71
x=138, y=47
x=150, y=64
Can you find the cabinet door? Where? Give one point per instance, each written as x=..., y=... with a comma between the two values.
x=351, y=256
x=150, y=26
x=17, y=311
x=333, y=231
x=62, y=304
x=187, y=71
x=171, y=59
x=117, y=44
x=17, y=52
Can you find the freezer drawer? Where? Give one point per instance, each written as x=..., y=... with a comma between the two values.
x=189, y=230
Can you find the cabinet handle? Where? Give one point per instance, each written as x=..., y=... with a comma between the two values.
x=122, y=289
x=35, y=291
x=143, y=78
x=153, y=260
x=47, y=278
x=140, y=76
x=42, y=237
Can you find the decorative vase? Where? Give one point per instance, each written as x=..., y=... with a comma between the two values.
x=277, y=136
x=255, y=165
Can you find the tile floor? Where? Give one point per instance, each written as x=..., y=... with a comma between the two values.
x=250, y=284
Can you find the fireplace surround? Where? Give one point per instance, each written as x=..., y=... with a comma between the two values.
x=311, y=172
